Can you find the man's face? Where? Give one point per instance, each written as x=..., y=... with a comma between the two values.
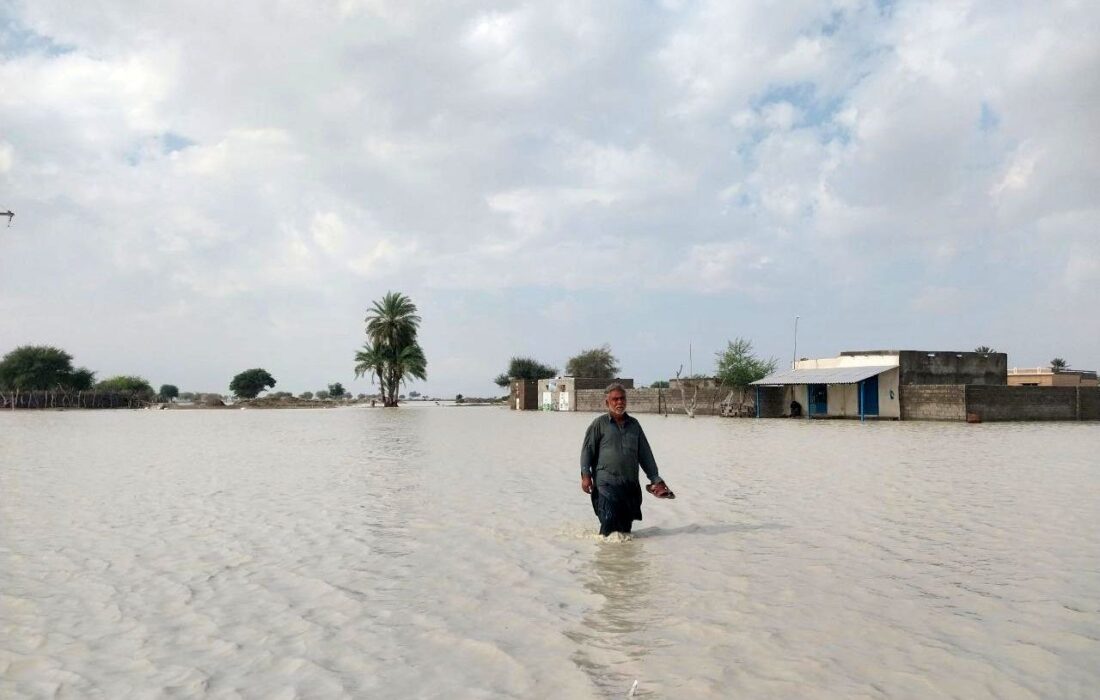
x=616, y=403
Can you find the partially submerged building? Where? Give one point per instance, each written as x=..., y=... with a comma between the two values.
x=920, y=385
x=874, y=383
x=523, y=394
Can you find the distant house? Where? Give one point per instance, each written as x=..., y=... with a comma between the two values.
x=1046, y=376
x=560, y=394
x=523, y=394
x=871, y=383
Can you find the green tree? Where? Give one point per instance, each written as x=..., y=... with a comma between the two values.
x=42, y=368
x=596, y=363
x=659, y=384
x=392, y=352
x=410, y=363
x=414, y=394
x=459, y=398
x=371, y=361
x=306, y=395
x=525, y=368
x=336, y=390
x=738, y=366
x=984, y=348
x=169, y=392
x=322, y=395
x=249, y=383
x=81, y=379
x=136, y=386
x=1058, y=364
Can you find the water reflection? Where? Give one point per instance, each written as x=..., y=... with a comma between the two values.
x=613, y=638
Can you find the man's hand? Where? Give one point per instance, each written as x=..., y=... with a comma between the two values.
x=586, y=483
x=660, y=490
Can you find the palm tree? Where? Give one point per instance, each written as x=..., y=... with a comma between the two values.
x=410, y=363
x=984, y=348
x=1058, y=364
x=371, y=360
x=392, y=326
x=392, y=320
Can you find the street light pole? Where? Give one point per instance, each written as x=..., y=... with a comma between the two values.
x=794, y=354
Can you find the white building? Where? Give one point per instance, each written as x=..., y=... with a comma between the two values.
x=848, y=386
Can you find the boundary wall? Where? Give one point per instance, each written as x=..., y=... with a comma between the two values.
x=647, y=400
x=933, y=402
x=953, y=402
x=708, y=401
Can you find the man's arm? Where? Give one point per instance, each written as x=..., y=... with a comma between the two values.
x=590, y=456
x=645, y=458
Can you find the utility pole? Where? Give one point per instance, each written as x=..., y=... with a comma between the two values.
x=10, y=214
x=794, y=354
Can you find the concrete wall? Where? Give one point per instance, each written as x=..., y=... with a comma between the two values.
x=999, y=403
x=851, y=359
x=1088, y=403
x=648, y=400
x=921, y=367
x=701, y=382
x=933, y=402
x=578, y=383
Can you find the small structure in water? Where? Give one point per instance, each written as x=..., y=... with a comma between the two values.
x=918, y=385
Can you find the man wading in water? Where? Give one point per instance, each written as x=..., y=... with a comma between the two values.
x=614, y=446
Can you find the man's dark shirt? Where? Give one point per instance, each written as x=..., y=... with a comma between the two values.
x=612, y=454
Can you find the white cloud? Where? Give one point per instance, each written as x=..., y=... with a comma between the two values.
x=265, y=162
x=7, y=157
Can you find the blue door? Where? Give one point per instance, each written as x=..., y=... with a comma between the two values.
x=868, y=397
x=819, y=399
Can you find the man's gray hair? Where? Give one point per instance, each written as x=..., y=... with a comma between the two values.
x=614, y=387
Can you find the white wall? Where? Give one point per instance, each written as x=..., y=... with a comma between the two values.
x=848, y=361
x=844, y=398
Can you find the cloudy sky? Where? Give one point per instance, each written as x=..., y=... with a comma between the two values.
x=224, y=185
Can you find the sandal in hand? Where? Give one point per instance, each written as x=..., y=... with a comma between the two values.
x=660, y=490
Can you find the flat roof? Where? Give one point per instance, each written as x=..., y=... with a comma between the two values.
x=832, y=375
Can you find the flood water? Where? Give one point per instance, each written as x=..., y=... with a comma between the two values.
x=442, y=552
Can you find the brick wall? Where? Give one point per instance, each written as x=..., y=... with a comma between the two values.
x=920, y=367
x=997, y=403
x=581, y=383
x=1088, y=403
x=648, y=400
x=933, y=402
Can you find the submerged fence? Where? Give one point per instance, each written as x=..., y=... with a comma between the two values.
x=72, y=399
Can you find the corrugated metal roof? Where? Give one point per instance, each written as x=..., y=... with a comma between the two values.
x=834, y=375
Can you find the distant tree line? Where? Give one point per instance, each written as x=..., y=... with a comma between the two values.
x=43, y=376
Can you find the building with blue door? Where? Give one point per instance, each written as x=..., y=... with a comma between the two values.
x=872, y=383
x=849, y=386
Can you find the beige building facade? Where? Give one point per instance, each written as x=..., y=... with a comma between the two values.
x=1045, y=376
